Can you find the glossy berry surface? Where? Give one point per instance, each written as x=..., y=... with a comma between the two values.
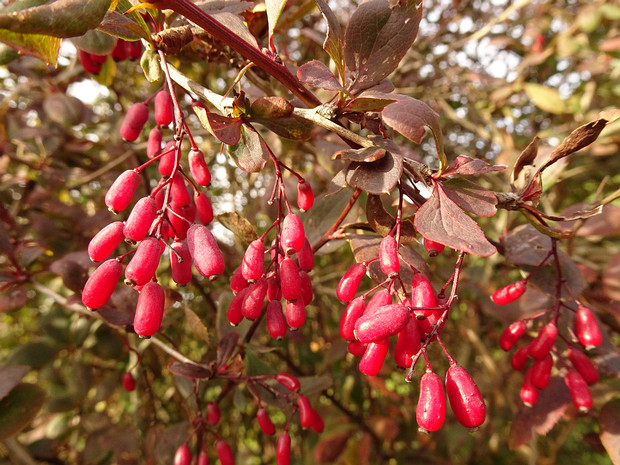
x=289, y=381
x=583, y=365
x=579, y=391
x=101, y=284
x=543, y=342
x=276, y=322
x=373, y=357
x=105, y=241
x=305, y=196
x=386, y=321
x=265, y=423
x=283, y=449
x=183, y=455
x=511, y=335
x=350, y=282
x=150, y=310
x=306, y=412
x=465, y=398
x=408, y=344
x=198, y=167
x=352, y=313
x=431, y=408
x=224, y=452
x=388, y=256
x=213, y=413
x=129, y=382
x=509, y=293
x=587, y=329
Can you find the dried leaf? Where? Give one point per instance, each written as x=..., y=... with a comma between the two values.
x=316, y=74
x=10, y=376
x=334, y=39
x=250, y=154
x=609, y=424
x=441, y=220
x=526, y=159
x=238, y=224
x=471, y=197
x=366, y=154
x=468, y=166
x=378, y=177
x=19, y=408
x=225, y=129
x=190, y=370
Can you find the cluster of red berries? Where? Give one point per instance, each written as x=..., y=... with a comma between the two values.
x=123, y=50
x=578, y=370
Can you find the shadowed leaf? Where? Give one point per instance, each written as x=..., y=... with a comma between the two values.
x=471, y=197
x=189, y=370
x=378, y=177
x=10, y=376
x=238, y=224
x=609, y=424
x=12, y=298
x=383, y=222
x=366, y=154
x=19, y=408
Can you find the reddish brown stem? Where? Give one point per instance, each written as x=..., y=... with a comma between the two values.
x=326, y=237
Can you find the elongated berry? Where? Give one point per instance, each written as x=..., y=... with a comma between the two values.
x=356, y=348
x=541, y=371
x=306, y=288
x=431, y=409
x=105, y=241
x=178, y=190
x=292, y=234
x=265, y=423
x=180, y=219
x=289, y=381
x=382, y=323
x=350, y=282
x=129, y=383
x=134, y=121
x=213, y=413
x=237, y=281
x=252, y=305
x=305, y=257
x=379, y=299
x=134, y=49
x=198, y=167
x=140, y=219
x=465, y=398
x=183, y=455
x=583, y=365
x=122, y=190
x=306, y=412
x=142, y=266
x=295, y=313
x=586, y=328
x=150, y=310
x=273, y=288
x=203, y=459
x=276, y=322
x=253, y=263
x=153, y=143
x=166, y=162
x=119, y=52
x=529, y=393
x=388, y=256
x=234, y=315
x=543, y=342
x=163, y=108
x=433, y=248
x=205, y=252
x=579, y=391
x=422, y=294
x=408, y=344
x=204, y=209
x=509, y=293
x=519, y=359
x=290, y=283
x=305, y=196
x=283, y=449
x=101, y=284
x=87, y=62
x=224, y=452
x=352, y=313
x=512, y=334
x=373, y=357
x=180, y=263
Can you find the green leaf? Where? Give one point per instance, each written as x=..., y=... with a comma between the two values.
x=548, y=99
x=150, y=66
x=274, y=10
x=19, y=408
x=39, y=46
x=250, y=153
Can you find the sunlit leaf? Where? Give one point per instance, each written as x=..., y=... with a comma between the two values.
x=378, y=177
x=316, y=74
x=250, y=153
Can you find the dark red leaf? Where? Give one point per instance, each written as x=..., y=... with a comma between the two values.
x=383, y=222
x=368, y=101
x=334, y=39
x=189, y=370
x=410, y=117
x=12, y=298
x=227, y=347
x=10, y=376
x=223, y=128
x=468, y=166
x=609, y=424
x=366, y=154
x=316, y=74
x=471, y=196
x=378, y=177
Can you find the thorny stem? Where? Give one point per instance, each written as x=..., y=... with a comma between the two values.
x=328, y=234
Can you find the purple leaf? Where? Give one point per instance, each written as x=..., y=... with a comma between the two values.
x=377, y=177
x=316, y=74
x=369, y=101
x=366, y=154
x=465, y=165
x=441, y=220
x=471, y=197
x=334, y=39
x=10, y=376
x=189, y=370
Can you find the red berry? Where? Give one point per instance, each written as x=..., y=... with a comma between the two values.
x=153, y=143
x=408, y=344
x=129, y=383
x=353, y=312
x=87, y=62
x=265, y=422
x=431, y=409
x=203, y=459
x=292, y=234
x=422, y=294
x=166, y=162
x=305, y=196
x=289, y=381
x=305, y=257
x=134, y=49
x=180, y=219
x=273, y=288
x=350, y=282
x=198, y=167
x=283, y=449
x=237, y=281
x=583, y=365
x=140, y=219
x=134, y=121
x=253, y=263
x=180, y=263
x=519, y=359
x=290, y=284
x=356, y=348
x=235, y=313
x=306, y=412
x=579, y=391
x=306, y=288
x=541, y=371
x=465, y=398
x=183, y=455
x=542, y=344
x=252, y=305
x=205, y=252
x=150, y=310
x=119, y=52
x=509, y=293
x=295, y=313
x=512, y=334
x=224, y=452
x=163, y=108
x=433, y=248
x=529, y=393
x=373, y=357
x=101, y=284
x=204, y=209
x=121, y=192
x=382, y=323
x=142, y=266
x=105, y=241
x=388, y=256
x=587, y=329
x=380, y=299
x=213, y=413
x=178, y=191
x=276, y=323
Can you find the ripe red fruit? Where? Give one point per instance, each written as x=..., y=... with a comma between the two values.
x=292, y=234
x=140, y=219
x=133, y=49
x=543, y=342
x=129, y=383
x=295, y=313
x=101, y=284
x=388, y=256
x=541, y=371
x=318, y=425
x=305, y=257
x=408, y=344
x=431, y=409
x=283, y=449
x=253, y=263
x=290, y=284
x=119, y=53
x=142, y=266
x=587, y=329
x=252, y=305
x=105, y=241
x=583, y=365
x=276, y=323
x=509, y=293
x=433, y=248
x=265, y=423
x=204, y=209
x=353, y=312
x=178, y=190
x=134, y=121
x=529, y=393
x=306, y=288
x=356, y=348
x=422, y=293
x=205, y=252
x=150, y=310
x=87, y=62
x=519, y=359
x=166, y=162
x=213, y=413
x=180, y=263
x=350, y=282
x=382, y=323
x=579, y=391
x=289, y=381
x=224, y=452
x=163, y=108
x=198, y=167
x=237, y=281
x=373, y=357
x=234, y=313
x=465, y=398
x=306, y=412
x=305, y=196
x=203, y=459
x=121, y=191
x=378, y=300
x=153, y=143
x=180, y=219
x=512, y=334
x=183, y=455
x=273, y=288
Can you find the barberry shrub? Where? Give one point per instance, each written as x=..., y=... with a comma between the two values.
x=314, y=240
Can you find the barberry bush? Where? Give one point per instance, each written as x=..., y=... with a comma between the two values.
x=309, y=232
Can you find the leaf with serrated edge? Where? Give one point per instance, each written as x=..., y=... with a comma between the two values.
x=250, y=154
x=378, y=177
x=316, y=74
x=468, y=166
x=471, y=196
x=365, y=154
x=334, y=39
x=238, y=224
x=19, y=408
x=441, y=220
